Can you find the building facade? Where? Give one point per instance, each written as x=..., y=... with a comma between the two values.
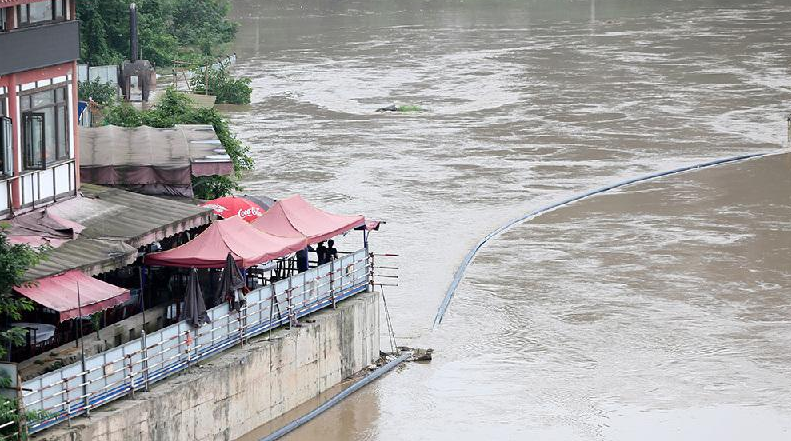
x=39, y=152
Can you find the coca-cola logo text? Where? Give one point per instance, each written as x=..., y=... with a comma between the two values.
x=252, y=211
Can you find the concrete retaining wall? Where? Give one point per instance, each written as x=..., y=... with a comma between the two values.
x=227, y=396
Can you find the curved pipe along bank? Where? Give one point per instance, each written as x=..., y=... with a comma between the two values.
x=285, y=430
x=471, y=254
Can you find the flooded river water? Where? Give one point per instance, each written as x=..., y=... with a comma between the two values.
x=660, y=311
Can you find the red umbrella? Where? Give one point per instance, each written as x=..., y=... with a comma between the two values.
x=229, y=206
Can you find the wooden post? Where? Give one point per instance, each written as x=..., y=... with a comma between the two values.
x=22, y=420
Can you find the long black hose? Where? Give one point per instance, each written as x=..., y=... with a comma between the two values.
x=337, y=398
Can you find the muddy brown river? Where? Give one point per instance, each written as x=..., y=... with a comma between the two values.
x=658, y=311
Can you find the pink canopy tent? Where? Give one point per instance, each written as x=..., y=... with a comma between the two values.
x=247, y=245
x=294, y=217
x=74, y=293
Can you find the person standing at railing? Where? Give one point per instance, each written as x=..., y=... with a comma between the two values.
x=331, y=253
x=321, y=254
x=302, y=260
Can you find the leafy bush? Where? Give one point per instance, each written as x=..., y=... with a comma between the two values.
x=227, y=89
x=102, y=93
x=177, y=108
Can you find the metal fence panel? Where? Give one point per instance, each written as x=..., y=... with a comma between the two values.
x=121, y=370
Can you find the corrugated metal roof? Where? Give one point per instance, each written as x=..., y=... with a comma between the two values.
x=88, y=255
x=117, y=223
x=172, y=152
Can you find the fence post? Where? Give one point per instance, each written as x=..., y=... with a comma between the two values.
x=85, y=401
x=131, y=375
x=242, y=322
x=271, y=309
x=21, y=420
x=288, y=297
x=332, y=282
x=66, y=404
x=370, y=274
x=144, y=353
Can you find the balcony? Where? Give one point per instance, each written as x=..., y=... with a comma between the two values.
x=39, y=46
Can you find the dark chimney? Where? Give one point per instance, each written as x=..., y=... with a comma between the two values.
x=133, y=32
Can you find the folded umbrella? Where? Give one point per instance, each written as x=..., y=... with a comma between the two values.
x=194, y=307
x=230, y=283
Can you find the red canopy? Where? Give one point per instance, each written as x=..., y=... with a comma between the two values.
x=60, y=293
x=209, y=249
x=294, y=217
x=233, y=205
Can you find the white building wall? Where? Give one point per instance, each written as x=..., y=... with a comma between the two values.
x=28, y=190
x=4, y=190
x=63, y=178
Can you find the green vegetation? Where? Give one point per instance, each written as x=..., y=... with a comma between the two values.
x=177, y=108
x=100, y=92
x=189, y=30
x=227, y=89
x=15, y=260
x=410, y=108
x=9, y=412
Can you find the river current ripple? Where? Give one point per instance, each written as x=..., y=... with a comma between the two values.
x=660, y=311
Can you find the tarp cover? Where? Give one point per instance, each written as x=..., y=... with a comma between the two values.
x=60, y=293
x=151, y=157
x=295, y=217
x=247, y=245
x=42, y=227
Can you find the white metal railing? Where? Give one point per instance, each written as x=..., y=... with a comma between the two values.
x=118, y=372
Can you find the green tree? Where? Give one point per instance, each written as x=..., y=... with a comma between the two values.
x=15, y=260
x=100, y=92
x=176, y=108
x=167, y=29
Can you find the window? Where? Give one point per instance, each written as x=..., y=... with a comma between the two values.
x=45, y=127
x=6, y=147
x=3, y=20
x=41, y=12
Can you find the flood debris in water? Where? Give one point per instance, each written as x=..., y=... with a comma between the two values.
x=403, y=108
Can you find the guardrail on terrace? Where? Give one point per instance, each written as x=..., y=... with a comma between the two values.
x=76, y=389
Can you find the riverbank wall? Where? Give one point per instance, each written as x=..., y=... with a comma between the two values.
x=231, y=394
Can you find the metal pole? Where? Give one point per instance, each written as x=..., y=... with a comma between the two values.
x=86, y=402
